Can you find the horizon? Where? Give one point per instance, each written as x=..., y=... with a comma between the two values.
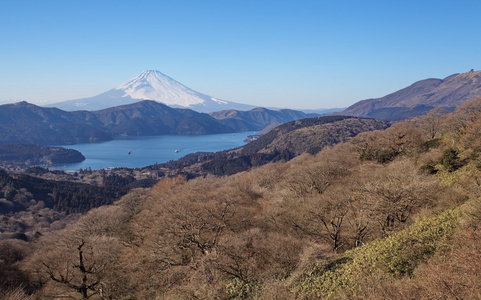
x=50, y=104
x=309, y=55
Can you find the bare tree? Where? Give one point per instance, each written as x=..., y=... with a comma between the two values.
x=360, y=219
x=81, y=261
x=384, y=146
x=333, y=221
x=321, y=218
x=396, y=191
x=90, y=277
x=191, y=221
x=469, y=111
x=432, y=123
x=317, y=175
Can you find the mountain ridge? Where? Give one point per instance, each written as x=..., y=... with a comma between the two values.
x=419, y=97
x=24, y=122
x=258, y=118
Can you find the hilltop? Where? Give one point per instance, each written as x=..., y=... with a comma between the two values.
x=420, y=97
x=258, y=118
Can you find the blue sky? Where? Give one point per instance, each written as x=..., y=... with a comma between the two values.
x=296, y=54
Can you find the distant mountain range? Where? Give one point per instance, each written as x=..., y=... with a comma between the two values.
x=27, y=123
x=420, y=97
x=152, y=85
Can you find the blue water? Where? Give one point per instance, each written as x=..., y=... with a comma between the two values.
x=146, y=151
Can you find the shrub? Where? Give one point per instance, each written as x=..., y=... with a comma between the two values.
x=450, y=160
x=395, y=256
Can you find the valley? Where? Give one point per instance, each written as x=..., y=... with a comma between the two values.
x=34, y=183
x=343, y=194
x=139, y=152
x=27, y=123
x=240, y=150
x=383, y=203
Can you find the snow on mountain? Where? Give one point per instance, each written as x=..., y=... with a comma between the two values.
x=152, y=85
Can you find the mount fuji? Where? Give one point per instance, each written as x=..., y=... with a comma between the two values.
x=152, y=85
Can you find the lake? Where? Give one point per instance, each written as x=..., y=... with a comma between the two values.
x=145, y=151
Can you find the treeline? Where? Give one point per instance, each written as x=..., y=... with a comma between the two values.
x=70, y=197
x=30, y=154
x=222, y=167
x=31, y=206
x=123, y=183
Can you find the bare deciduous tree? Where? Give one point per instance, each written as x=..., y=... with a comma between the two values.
x=82, y=260
x=396, y=191
x=90, y=275
x=432, y=123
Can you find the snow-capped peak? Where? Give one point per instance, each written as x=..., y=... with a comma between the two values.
x=153, y=85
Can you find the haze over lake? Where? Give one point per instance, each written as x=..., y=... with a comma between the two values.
x=145, y=151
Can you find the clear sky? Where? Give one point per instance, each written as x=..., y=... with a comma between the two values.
x=296, y=54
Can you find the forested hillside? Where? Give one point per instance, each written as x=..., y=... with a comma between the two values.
x=28, y=154
x=283, y=143
x=257, y=118
x=39, y=201
x=389, y=214
x=43, y=200
x=23, y=122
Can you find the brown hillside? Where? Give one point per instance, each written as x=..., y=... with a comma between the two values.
x=390, y=214
x=420, y=97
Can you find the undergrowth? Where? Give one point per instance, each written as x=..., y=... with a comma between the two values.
x=394, y=256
